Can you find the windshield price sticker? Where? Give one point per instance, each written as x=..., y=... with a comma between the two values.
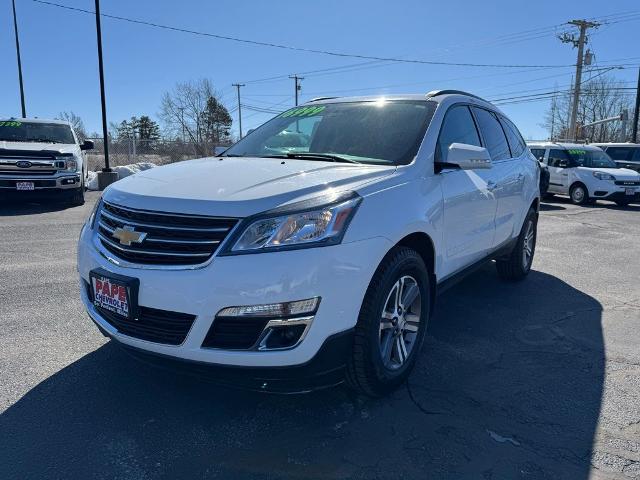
x=577, y=152
x=9, y=123
x=303, y=111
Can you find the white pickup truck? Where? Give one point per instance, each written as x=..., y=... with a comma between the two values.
x=42, y=158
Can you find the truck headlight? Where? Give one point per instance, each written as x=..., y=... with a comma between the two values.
x=318, y=222
x=67, y=163
x=604, y=176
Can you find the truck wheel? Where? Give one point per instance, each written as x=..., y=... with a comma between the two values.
x=391, y=325
x=579, y=194
x=518, y=264
x=77, y=198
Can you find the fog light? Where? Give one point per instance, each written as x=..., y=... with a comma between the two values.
x=282, y=337
x=273, y=310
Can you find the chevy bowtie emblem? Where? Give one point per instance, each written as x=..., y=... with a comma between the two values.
x=127, y=235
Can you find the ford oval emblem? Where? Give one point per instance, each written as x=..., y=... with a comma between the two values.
x=23, y=164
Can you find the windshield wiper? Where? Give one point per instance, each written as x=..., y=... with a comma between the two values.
x=40, y=140
x=320, y=157
x=231, y=155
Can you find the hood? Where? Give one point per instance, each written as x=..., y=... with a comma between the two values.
x=238, y=187
x=619, y=173
x=39, y=146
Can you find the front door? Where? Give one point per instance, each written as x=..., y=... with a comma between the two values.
x=558, y=163
x=469, y=201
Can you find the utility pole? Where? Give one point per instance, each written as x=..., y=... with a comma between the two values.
x=238, y=85
x=578, y=43
x=636, y=113
x=15, y=29
x=296, y=84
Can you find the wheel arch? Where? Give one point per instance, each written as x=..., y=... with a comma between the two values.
x=423, y=244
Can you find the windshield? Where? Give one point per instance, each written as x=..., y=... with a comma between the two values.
x=17, y=131
x=591, y=158
x=377, y=132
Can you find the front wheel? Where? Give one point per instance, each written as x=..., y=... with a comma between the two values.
x=579, y=194
x=518, y=264
x=391, y=325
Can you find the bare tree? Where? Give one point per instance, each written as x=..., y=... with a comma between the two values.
x=76, y=122
x=602, y=97
x=184, y=112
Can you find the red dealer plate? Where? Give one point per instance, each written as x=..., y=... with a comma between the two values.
x=116, y=293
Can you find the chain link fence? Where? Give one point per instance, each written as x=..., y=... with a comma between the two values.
x=160, y=152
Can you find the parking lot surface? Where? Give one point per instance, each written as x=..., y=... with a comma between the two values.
x=539, y=379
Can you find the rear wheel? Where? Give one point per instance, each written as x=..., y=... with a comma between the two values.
x=579, y=194
x=391, y=325
x=518, y=264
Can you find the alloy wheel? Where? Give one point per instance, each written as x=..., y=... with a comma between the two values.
x=528, y=245
x=399, y=322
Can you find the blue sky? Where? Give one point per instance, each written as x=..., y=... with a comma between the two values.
x=60, y=64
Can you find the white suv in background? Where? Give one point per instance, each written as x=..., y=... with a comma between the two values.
x=312, y=250
x=586, y=174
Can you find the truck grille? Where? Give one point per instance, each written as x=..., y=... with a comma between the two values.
x=25, y=172
x=171, y=238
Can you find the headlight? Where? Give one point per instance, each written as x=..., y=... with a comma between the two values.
x=317, y=222
x=603, y=176
x=94, y=214
x=67, y=162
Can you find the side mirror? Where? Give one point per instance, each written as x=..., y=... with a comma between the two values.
x=87, y=145
x=468, y=157
x=563, y=164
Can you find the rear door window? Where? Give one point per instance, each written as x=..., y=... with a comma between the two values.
x=492, y=134
x=458, y=127
x=516, y=143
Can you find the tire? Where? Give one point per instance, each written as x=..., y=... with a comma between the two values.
x=518, y=264
x=579, y=194
x=383, y=328
x=77, y=198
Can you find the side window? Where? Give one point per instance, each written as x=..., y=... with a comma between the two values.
x=556, y=156
x=538, y=153
x=492, y=134
x=516, y=143
x=636, y=155
x=458, y=127
x=619, y=153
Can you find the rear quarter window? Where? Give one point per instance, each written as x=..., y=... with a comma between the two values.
x=492, y=134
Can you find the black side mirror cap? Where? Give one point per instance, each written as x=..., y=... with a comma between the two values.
x=87, y=145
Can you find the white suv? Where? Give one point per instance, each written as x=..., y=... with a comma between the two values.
x=586, y=174
x=313, y=249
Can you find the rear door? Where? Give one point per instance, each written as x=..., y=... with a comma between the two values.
x=469, y=201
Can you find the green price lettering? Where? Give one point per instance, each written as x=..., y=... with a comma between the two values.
x=9, y=123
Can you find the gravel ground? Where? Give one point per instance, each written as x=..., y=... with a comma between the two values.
x=537, y=380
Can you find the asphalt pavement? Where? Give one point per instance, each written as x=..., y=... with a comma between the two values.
x=534, y=380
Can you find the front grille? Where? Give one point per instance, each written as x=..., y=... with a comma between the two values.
x=172, y=238
x=628, y=183
x=25, y=172
x=234, y=333
x=36, y=183
x=154, y=325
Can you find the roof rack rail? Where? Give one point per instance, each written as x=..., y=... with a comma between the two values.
x=321, y=98
x=435, y=93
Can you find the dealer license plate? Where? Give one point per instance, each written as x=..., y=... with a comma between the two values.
x=25, y=186
x=630, y=191
x=116, y=293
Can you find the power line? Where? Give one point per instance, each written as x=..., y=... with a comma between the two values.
x=293, y=48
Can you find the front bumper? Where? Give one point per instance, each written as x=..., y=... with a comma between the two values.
x=338, y=274
x=68, y=181
x=619, y=196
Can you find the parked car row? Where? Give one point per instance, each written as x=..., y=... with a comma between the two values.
x=587, y=173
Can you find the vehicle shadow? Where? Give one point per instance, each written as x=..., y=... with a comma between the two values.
x=11, y=208
x=508, y=385
x=557, y=201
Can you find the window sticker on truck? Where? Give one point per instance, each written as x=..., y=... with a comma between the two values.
x=9, y=123
x=303, y=111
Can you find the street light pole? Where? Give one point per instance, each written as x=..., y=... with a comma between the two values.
x=102, y=95
x=15, y=28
